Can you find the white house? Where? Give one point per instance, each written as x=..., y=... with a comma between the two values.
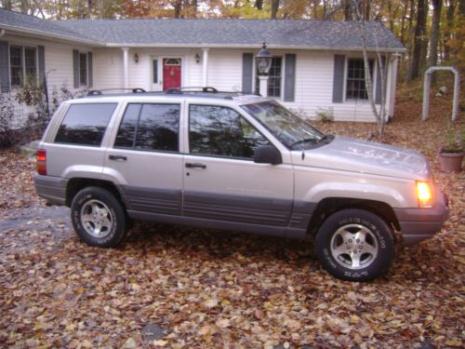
x=317, y=65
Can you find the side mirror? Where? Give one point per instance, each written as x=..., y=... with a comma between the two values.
x=267, y=154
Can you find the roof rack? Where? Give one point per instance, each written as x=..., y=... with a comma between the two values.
x=100, y=92
x=187, y=91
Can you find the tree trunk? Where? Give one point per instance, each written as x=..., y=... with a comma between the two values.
x=274, y=8
x=177, y=8
x=419, y=41
x=402, y=23
x=462, y=7
x=347, y=10
x=259, y=4
x=433, y=57
x=449, y=28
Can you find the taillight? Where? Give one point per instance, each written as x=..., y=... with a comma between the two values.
x=41, y=161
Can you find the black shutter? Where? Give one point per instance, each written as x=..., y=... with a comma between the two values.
x=289, y=78
x=378, y=81
x=41, y=64
x=247, y=72
x=90, y=67
x=76, y=68
x=4, y=67
x=338, y=78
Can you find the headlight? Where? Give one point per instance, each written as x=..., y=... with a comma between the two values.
x=424, y=194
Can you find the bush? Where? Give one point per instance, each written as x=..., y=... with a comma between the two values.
x=7, y=113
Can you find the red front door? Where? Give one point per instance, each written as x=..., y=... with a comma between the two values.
x=171, y=73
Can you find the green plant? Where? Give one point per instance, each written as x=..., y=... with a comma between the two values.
x=455, y=141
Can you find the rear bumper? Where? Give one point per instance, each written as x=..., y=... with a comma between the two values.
x=419, y=224
x=52, y=189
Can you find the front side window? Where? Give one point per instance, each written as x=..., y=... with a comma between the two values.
x=356, y=87
x=83, y=68
x=274, y=78
x=291, y=130
x=152, y=127
x=221, y=131
x=85, y=124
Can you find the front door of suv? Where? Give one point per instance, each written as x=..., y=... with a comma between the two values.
x=221, y=180
x=145, y=159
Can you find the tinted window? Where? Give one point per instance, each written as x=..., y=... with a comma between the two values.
x=85, y=124
x=127, y=130
x=150, y=127
x=221, y=131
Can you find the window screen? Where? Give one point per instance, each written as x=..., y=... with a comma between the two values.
x=85, y=124
x=150, y=127
x=356, y=87
x=274, y=78
x=83, y=68
x=16, y=65
x=221, y=131
x=30, y=64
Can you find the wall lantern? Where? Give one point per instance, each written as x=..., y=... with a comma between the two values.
x=136, y=58
x=263, y=59
x=197, y=58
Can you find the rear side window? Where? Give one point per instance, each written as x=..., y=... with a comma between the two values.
x=85, y=124
x=150, y=127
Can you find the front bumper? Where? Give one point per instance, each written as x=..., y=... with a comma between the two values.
x=419, y=224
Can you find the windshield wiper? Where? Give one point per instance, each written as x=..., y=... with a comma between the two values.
x=305, y=140
x=326, y=138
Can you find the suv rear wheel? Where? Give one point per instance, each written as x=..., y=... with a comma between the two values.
x=98, y=217
x=355, y=245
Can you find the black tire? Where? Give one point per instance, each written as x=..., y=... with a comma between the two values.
x=116, y=233
x=377, y=263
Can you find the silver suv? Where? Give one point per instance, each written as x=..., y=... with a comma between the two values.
x=238, y=162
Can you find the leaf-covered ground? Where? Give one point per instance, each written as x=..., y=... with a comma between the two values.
x=188, y=288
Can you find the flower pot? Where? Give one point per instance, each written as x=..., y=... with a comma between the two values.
x=451, y=162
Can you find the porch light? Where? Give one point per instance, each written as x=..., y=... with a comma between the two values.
x=136, y=58
x=197, y=58
x=263, y=58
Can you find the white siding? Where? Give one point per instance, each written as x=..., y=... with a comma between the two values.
x=314, y=73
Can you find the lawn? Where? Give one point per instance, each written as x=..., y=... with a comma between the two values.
x=176, y=287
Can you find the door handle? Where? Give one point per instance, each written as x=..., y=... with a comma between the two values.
x=117, y=157
x=195, y=165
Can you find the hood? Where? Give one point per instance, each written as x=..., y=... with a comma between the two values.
x=355, y=155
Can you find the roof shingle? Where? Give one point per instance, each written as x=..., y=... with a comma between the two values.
x=311, y=34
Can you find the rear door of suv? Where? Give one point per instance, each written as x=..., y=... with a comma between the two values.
x=145, y=158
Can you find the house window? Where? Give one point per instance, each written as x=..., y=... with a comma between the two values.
x=30, y=65
x=356, y=87
x=23, y=65
x=83, y=68
x=274, y=78
x=16, y=66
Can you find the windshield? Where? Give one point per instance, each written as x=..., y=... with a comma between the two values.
x=290, y=129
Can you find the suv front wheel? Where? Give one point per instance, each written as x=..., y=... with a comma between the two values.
x=98, y=217
x=355, y=245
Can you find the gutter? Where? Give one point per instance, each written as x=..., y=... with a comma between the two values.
x=255, y=46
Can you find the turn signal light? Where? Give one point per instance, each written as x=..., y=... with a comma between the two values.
x=424, y=194
x=41, y=162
